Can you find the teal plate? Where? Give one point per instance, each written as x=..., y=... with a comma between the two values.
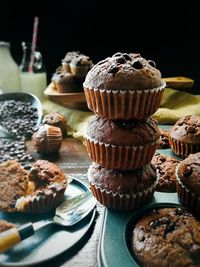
x=114, y=245
x=50, y=241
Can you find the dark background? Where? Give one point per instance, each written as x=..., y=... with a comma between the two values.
x=164, y=31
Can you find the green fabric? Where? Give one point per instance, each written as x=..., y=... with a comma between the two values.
x=174, y=104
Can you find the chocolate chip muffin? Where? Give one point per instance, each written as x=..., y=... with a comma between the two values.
x=166, y=167
x=185, y=136
x=167, y=237
x=124, y=86
x=123, y=145
x=46, y=187
x=164, y=139
x=188, y=182
x=47, y=139
x=56, y=119
x=122, y=190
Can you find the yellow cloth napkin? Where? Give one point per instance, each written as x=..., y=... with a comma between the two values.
x=174, y=105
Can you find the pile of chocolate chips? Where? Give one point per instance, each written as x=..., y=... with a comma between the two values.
x=20, y=120
x=18, y=117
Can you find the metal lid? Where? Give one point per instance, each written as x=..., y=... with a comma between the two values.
x=4, y=44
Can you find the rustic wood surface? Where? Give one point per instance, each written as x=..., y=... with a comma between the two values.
x=73, y=159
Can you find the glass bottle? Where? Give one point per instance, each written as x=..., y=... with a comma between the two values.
x=9, y=70
x=33, y=81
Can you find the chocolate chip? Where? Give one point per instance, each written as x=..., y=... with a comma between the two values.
x=179, y=211
x=137, y=65
x=113, y=69
x=191, y=129
x=165, y=139
x=187, y=171
x=127, y=57
x=169, y=228
x=152, y=63
x=195, y=250
x=164, y=220
x=154, y=224
x=180, y=123
x=120, y=60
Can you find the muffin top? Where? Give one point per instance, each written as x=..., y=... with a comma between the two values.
x=189, y=172
x=77, y=59
x=123, y=72
x=186, y=130
x=166, y=167
x=122, y=182
x=167, y=237
x=63, y=77
x=56, y=119
x=124, y=133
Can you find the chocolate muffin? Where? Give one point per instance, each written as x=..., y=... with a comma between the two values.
x=56, y=119
x=167, y=237
x=122, y=190
x=123, y=145
x=48, y=139
x=166, y=167
x=13, y=184
x=80, y=65
x=46, y=188
x=185, y=136
x=124, y=86
x=188, y=182
x=164, y=139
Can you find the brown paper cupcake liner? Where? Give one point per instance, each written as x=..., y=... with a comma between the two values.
x=188, y=198
x=183, y=150
x=44, y=201
x=126, y=105
x=120, y=157
x=122, y=202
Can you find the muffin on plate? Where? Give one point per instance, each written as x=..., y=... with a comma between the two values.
x=46, y=187
x=185, y=136
x=188, y=182
x=124, y=86
x=166, y=167
x=123, y=145
x=167, y=237
x=56, y=119
x=122, y=190
x=47, y=139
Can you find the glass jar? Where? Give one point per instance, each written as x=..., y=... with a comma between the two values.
x=9, y=70
x=35, y=80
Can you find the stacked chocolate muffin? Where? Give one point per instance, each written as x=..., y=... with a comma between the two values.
x=123, y=91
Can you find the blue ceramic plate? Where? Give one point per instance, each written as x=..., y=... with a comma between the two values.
x=50, y=241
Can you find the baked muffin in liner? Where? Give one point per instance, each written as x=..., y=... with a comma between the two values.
x=119, y=144
x=188, y=182
x=126, y=104
x=120, y=157
x=121, y=198
x=46, y=187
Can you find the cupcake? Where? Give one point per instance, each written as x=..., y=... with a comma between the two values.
x=166, y=167
x=185, y=136
x=57, y=120
x=123, y=145
x=124, y=86
x=166, y=237
x=13, y=184
x=80, y=65
x=47, y=140
x=46, y=188
x=188, y=182
x=120, y=190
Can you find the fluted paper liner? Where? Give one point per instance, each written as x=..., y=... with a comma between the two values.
x=187, y=198
x=122, y=202
x=120, y=157
x=126, y=105
x=42, y=202
x=182, y=149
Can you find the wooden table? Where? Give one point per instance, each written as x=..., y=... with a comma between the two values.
x=73, y=159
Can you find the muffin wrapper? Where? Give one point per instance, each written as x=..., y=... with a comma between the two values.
x=122, y=202
x=120, y=157
x=126, y=105
x=187, y=198
x=183, y=150
x=41, y=203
